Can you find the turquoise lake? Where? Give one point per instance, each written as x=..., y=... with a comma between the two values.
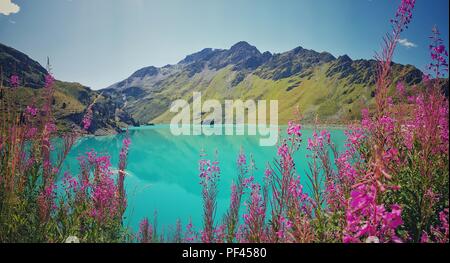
x=162, y=171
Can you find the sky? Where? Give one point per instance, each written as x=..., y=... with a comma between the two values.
x=100, y=42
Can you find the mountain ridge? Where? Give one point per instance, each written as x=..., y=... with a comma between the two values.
x=299, y=76
x=71, y=99
x=13, y=61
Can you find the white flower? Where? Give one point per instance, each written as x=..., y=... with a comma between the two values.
x=72, y=239
x=372, y=239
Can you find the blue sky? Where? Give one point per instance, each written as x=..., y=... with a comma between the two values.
x=99, y=42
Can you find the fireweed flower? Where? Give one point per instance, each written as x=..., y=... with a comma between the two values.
x=86, y=123
x=283, y=150
x=97, y=182
x=365, y=218
x=93, y=194
x=125, y=147
x=253, y=228
x=268, y=173
x=209, y=177
x=145, y=231
x=438, y=233
x=439, y=54
x=31, y=132
x=70, y=183
x=32, y=111
x=191, y=235
x=296, y=190
x=49, y=81
x=403, y=16
x=46, y=202
x=391, y=155
x=401, y=88
x=248, y=182
x=390, y=101
x=220, y=233
x=87, y=119
x=14, y=81
x=242, y=160
x=123, y=156
x=325, y=134
x=104, y=197
x=237, y=190
x=366, y=122
x=318, y=141
x=285, y=227
x=411, y=99
x=294, y=129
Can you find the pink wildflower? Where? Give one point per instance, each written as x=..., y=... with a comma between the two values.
x=32, y=111
x=145, y=231
x=283, y=150
x=294, y=129
x=401, y=88
x=14, y=81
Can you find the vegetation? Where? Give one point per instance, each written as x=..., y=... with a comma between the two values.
x=390, y=184
x=33, y=206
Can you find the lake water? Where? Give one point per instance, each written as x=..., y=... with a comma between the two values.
x=163, y=169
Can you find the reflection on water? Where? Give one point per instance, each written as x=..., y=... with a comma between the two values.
x=163, y=169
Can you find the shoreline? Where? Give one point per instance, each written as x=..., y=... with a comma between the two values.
x=112, y=132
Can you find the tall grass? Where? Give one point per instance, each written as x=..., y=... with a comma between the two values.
x=88, y=207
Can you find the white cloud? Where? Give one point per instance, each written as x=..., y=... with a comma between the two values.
x=406, y=43
x=7, y=7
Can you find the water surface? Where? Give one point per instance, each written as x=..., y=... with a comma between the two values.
x=163, y=169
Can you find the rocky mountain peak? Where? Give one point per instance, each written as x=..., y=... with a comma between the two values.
x=243, y=46
x=298, y=50
x=203, y=55
x=344, y=59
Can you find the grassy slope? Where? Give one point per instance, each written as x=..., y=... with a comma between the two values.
x=332, y=100
x=65, y=104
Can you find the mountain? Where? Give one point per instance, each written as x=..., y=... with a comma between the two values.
x=333, y=89
x=70, y=99
x=15, y=62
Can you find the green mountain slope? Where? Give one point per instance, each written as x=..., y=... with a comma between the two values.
x=70, y=99
x=333, y=89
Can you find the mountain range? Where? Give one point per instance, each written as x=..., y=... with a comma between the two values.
x=322, y=86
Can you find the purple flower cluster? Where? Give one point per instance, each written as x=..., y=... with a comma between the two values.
x=14, y=81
